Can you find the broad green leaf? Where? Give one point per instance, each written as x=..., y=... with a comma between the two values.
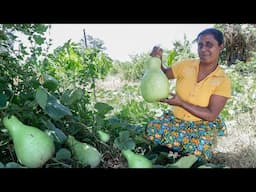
x=39, y=39
x=124, y=141
x=41, y=28
x=57, y=134
x=103, y=108
x=55, y=109
x=171, y=57
x=3, y=100
x=41, y=97
x=70, y=97
x=141, y=139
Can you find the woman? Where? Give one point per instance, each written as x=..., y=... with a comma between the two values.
x=202, y=90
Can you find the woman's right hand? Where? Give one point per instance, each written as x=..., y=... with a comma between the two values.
x=157, y=52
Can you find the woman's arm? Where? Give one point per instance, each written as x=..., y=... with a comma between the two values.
x=209, y=113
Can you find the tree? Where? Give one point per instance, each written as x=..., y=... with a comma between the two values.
x=94, y=43
x=19, y=63
x=239, y=42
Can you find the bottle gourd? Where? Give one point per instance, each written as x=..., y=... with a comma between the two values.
x=84, y=153
x=136, y=160
x=32, y=146
x=104, y=137
x=154, y=85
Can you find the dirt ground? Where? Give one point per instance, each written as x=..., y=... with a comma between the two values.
x=238, y=148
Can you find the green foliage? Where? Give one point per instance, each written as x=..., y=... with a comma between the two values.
x=182, y=50
x=129, y=106
x=56, y=133
x=170, y=58
x=102, y=108
x=76, y=67
x=32, y=86
x=124, y=141
x=41, y=97
x=70, y=97
x=51, y=105
x=243, y=90
x=18, y=63
x=71, y=107
x=132, y=70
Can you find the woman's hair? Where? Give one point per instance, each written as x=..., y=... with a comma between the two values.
x=217, y=34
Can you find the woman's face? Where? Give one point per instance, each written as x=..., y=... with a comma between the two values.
x=208, y=49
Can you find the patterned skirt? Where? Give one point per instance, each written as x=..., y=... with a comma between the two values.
x=193, y=137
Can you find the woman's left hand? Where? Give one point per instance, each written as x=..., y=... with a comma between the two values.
x=175, y=100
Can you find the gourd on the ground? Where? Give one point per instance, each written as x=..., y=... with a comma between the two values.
x=84, y=153
x=154, y=85
x=135, y=160
x=185, y=162
x=103, y=136
x=32, y=146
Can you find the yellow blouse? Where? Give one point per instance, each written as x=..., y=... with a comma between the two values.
x=187, y=88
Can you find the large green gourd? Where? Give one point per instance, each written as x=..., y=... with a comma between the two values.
x=135, y=160
x=50, y=82
x=154, y=85
x=32, y=146
x=84, y=153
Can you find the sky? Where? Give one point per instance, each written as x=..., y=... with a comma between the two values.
x=123, y=40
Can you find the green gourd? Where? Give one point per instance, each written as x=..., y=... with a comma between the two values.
x=154, y=85
x=136, y=160
x=84, y=153
x=184, y=162
x=103, y=136
x=32, y=146
x=50, y=82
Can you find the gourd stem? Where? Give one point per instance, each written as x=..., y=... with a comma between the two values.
x=12, y=124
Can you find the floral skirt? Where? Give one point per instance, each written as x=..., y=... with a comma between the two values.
x=193, y=137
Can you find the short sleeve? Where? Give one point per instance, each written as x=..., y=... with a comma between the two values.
x=177, y=68
x=224, y=89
